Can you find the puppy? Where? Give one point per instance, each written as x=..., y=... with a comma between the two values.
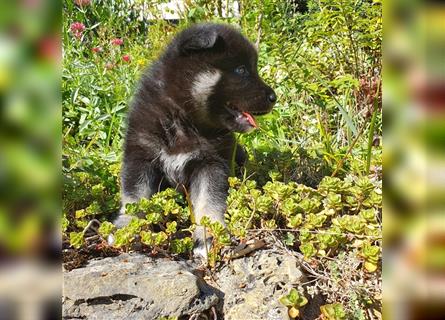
x=204, y=87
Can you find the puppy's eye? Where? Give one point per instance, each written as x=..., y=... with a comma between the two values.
x=241, y=70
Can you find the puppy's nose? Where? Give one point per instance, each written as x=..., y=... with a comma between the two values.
x=272, y=97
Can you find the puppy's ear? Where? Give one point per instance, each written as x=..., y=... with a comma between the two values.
x=200, y=40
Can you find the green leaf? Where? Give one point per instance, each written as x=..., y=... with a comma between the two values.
x=160, y=238
x=181, y=245
x=295, y=221
x=293, y=299
x=106, y=228
x=65, y=223
x=308, y=250
x=77, y=239
x=289, y=239
x=147, y=238
x=293, y=296
x=370, y=266
x=333, y=311
x=171, y=227
x=285, y=301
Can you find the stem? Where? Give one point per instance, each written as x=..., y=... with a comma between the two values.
x=189, y=204
x=372, y=128
x=109, y=130
x=342, y=160
x=351, y=40
x=260, y=30
x=219, y=5
x=232, y=160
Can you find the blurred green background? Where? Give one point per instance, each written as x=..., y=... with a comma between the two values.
x=30, y=127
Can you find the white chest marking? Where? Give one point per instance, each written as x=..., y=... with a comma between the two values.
x=174, y=163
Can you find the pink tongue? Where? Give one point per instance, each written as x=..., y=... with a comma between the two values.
x=250, y=119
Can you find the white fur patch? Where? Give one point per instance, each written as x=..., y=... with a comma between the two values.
x=174, y=163
x=202, y=202
x=200, y=198
x=203, y=85
x=122, y=220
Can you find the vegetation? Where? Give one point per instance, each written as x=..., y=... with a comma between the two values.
x=313, y=178
x=293, y=301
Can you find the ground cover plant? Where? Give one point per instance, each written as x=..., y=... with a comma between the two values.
x=313, y=178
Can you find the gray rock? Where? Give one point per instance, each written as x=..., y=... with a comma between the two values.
x=252, y=285
x=134, y=286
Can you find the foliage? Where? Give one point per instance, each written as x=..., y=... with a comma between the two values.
x=339, y=215
x=326, y=67
x=164, y=226
x=294, y=300
x=334, y=311
x=220, y=238
x=166, y=212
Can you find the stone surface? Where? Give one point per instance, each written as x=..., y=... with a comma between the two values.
x=135, y=287
x=252, y=285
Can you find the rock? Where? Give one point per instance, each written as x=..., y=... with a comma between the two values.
x=253, y=284
x=133, y=286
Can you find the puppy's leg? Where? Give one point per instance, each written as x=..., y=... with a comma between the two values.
x=208, y=194
x=140, y=179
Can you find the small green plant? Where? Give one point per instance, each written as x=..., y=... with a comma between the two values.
x=322, y=218
x=294, y=301
x=371, y=254
x=334, y=311
x=77, y=239
x=165, y=225
x=220, y=236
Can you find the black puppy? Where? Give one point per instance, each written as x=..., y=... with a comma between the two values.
x=204, y=87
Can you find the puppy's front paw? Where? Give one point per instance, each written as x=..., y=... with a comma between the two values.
x=110, y=239
x=202, y=248
x=122, y=220
x=203, y=243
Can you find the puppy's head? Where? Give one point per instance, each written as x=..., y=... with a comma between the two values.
x=222, y=78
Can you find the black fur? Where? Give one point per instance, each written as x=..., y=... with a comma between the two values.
x=179, y=137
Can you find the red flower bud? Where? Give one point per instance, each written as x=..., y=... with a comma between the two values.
x=82, y=2
x=77, y=28
x=117, y=42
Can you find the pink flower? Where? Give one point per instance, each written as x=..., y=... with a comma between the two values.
x=109, y=65
x=126, y=58
x=97, y=49
x=117, y=42
x=82, y=2
x=77, y=28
